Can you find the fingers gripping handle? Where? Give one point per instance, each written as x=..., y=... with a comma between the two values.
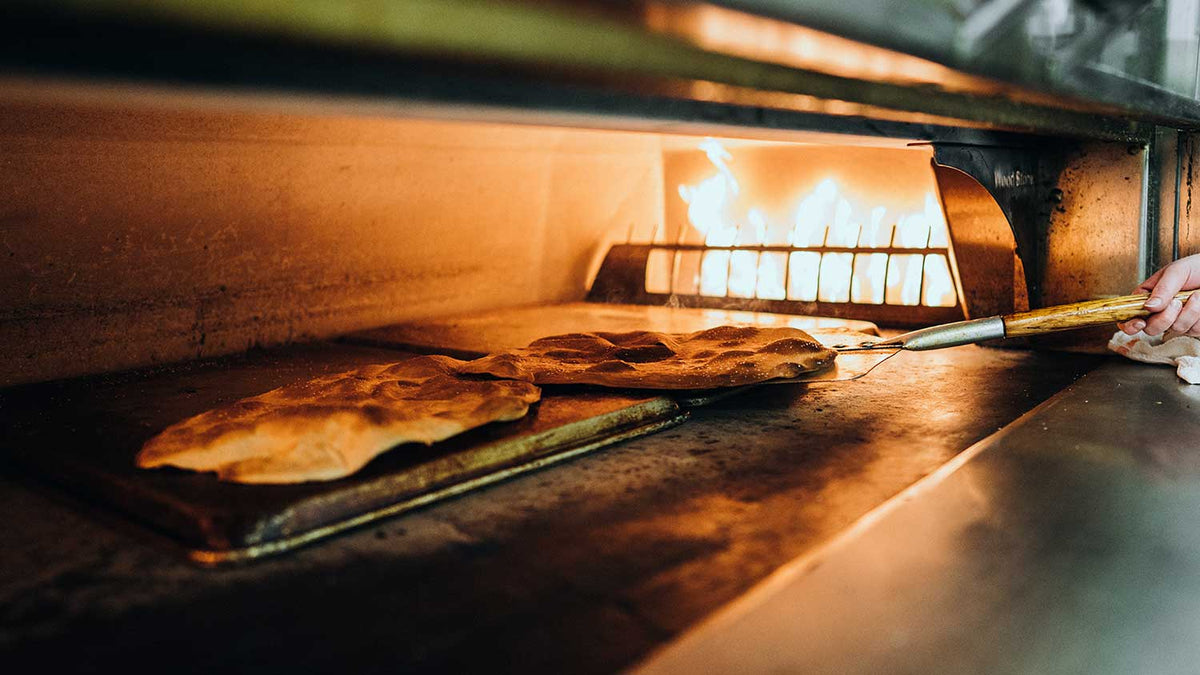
x=1079, y=315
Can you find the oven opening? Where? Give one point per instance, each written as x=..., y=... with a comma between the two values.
x=819, y=229
x=246, y=237
x=875, y=236
x=262, y=261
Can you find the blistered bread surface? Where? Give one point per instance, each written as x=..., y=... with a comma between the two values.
x=726, y=356
x=331, y=426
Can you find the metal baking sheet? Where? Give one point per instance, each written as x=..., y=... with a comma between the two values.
x=848, y=366
x=588, y=566
x=84, y=434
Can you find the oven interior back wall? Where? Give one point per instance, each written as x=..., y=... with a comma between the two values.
x=153, y=234
x=140, y=236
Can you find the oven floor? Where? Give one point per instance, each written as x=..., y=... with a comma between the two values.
x=584, y=567
x=85, y=434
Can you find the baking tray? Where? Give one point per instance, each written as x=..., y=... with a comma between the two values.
x=83, y=434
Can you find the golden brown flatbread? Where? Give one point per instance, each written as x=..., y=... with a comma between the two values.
x=331, y=426
x=727, y=356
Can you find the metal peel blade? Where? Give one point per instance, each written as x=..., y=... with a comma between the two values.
x=848, y=366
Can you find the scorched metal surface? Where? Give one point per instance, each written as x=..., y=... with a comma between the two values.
x=85, y=433
x=582, y=568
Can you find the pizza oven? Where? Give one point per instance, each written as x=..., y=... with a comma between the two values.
x=204, y=202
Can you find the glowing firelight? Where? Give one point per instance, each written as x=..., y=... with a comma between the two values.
x=939, y=285
x=710, y=203
x=867, y=285
x=739, y=266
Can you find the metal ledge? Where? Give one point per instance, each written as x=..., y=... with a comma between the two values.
x=1064, y=543
x=358, y=49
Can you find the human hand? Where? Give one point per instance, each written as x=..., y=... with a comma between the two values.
x=1167, y=313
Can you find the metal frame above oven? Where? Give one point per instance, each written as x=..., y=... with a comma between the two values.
x=650, y=60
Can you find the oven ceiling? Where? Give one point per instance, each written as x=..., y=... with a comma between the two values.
x=642, y=62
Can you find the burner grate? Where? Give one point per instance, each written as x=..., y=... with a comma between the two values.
x=815, y=280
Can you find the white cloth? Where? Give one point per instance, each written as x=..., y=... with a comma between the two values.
x=1180, y=351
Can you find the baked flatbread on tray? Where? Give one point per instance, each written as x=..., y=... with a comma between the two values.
x=726, y=356
x=331, y=426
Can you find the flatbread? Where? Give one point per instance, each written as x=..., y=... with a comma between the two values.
x=726, y=356
x=331, y=426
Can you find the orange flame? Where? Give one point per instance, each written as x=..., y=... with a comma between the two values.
x=714, y=273
x=710, y=203
x=876, y=234
x=939, y=285
x=904, y=279
x=772, y=270
x=868, y=284
x=823, y=218
x=814, y=214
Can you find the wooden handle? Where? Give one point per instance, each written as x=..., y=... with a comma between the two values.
x=1079, y=315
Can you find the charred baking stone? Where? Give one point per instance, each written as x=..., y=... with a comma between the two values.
x=83, y=435
x=474, y=335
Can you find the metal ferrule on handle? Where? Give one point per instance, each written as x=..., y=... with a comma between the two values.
x=948, y=335
x=1034, y=322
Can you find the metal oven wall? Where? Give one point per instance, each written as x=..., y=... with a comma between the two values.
x=1083, y=216
x=144, y=235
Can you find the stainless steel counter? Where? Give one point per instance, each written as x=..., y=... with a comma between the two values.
x=1069, y=542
